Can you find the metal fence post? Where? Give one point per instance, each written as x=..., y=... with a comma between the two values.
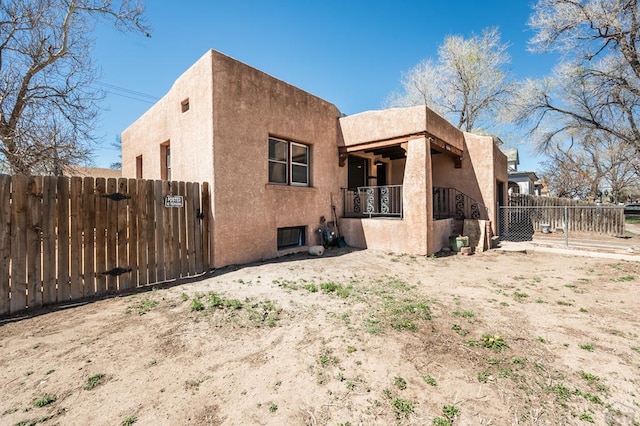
x=566, y=226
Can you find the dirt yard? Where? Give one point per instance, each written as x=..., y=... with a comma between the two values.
x=352, y=338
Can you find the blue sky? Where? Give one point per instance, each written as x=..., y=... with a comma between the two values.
x=351, y=53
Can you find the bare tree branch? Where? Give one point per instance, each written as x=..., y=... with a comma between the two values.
x=467, y=85
x=47, y=105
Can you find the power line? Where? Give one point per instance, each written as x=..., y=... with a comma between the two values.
x=127, y=93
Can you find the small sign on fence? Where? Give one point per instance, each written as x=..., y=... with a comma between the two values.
x=174, y=201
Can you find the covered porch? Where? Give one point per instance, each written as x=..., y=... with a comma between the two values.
x=408, y=172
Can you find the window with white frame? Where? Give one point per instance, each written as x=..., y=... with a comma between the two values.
x=288, y=162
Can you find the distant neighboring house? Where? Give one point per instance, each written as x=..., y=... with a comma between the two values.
x=278, y=158
x=95, y=172
x=521, y=182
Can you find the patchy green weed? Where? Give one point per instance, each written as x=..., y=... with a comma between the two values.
x=128, y=421
x=45, y=400
x=311, y=288
x=326, y=359
x=594, y=381
x=400, y=382
x=401, y=407
x=483, y=376
x=494, y=342
x=339, y=290
x=458, y=329
x=626, y=278
x=519, y=295
x=94, y=381
x=429, y=380
x=450, y=412
x=197, y=305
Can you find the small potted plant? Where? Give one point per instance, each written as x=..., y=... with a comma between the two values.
x=458, y=242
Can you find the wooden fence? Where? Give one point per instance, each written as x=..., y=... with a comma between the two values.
x=568, y=215
x=64, y=239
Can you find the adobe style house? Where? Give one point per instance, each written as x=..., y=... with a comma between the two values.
x=277, y=158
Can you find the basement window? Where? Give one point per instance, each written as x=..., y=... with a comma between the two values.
x=185, y=105
x=291, y=237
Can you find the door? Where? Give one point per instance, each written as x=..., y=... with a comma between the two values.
x=357, y=170
x=381, y=174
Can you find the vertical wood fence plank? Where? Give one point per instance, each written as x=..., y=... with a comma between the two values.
x=133, y=231
x=5, y=242
x=19, y=244
x=143, y=243
x=175, y=235
x=49, y=239
x=184, y=264
x=76, y=238
x=124, y=280
x=206, y=223
x=151, y=234
x=167, y=241
x=198, y=229
x=34, y=247
x=89, y=219
x=190, y=210
x=112, y=228
x=63, y=221
x=58, y=235
x=159, y=208
x=101, y=229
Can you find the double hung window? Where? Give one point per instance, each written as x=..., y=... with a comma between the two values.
x=288, y=162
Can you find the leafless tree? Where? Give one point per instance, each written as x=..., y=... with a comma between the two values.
x=47, y=104
x=596, y=165
x=468, y=84
x=117, y=145
x=596, y=87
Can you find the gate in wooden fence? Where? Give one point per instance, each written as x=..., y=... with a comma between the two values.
x=64, y=239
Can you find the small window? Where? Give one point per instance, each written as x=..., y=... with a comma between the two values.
x=165, y=161
x=185, y=105
x=291, y=237
x=288, y=162
x=139, y=167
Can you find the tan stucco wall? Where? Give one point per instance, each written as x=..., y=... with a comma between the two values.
x=395, y=123
x=249, y=106
x=223, y=140
x=408, y=235
x=190, y=133
x=482, y=165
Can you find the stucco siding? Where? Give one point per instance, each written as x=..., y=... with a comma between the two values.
x=189, y=133
x=398, y=123
x=223, y=138
x=249, y=106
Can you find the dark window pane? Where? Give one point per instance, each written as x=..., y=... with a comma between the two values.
x=291, y=237
x=299, y=174
x=277, y=172
x=299, y=154
x=277, y=150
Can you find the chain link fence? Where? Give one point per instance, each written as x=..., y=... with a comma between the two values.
x=561, y=223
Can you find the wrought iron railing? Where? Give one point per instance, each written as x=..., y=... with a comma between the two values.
x=451, y=203
x=373, y=201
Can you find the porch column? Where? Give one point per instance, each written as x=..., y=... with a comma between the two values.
x=417, y=202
